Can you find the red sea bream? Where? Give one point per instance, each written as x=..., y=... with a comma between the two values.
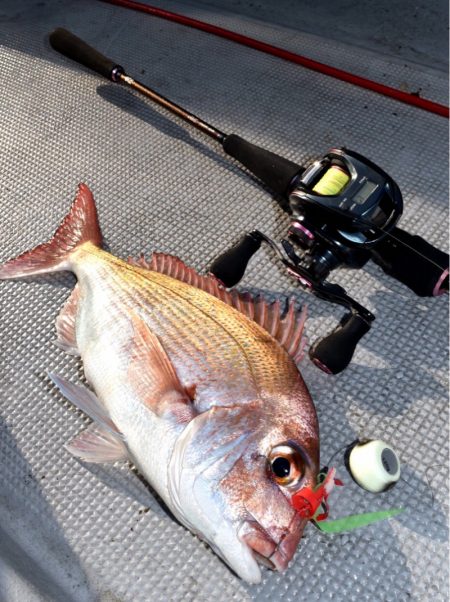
x=196, y=385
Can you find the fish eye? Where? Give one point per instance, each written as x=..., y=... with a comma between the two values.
x=286, y=465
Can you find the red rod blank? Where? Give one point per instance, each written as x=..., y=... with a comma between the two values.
x=346, y=76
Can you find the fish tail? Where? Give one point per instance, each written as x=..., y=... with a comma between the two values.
x=78, y=227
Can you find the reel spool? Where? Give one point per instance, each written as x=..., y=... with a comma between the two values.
x=332, y=182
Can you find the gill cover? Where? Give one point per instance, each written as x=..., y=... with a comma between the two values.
x=203, y=455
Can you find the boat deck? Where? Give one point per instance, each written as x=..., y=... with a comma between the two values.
x=73, y=532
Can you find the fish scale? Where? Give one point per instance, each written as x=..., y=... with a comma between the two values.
x=192, y=325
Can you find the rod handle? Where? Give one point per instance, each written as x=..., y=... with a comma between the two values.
x=74, y=48
x=334, y=352
x=275, y=171
x=414, y=262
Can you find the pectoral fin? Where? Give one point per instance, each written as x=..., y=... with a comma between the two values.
x=153, y=377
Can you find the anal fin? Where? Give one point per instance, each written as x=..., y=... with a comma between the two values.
x=65, y=324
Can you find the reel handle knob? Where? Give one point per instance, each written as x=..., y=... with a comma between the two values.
x=275, y=171
x=72, y=47
x=231, y=265
x=414, y=262
x=334, y=352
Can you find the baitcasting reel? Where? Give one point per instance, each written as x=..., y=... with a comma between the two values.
x=344, y=210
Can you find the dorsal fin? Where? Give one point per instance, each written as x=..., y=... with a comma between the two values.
x=287, y=330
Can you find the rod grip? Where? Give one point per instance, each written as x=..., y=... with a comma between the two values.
x=231, y=265
x=275, y=171
x=414, y=262
x=334, y=352
x=73, y=48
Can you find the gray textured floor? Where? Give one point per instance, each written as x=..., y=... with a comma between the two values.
x=71, y=532
x=415, y=32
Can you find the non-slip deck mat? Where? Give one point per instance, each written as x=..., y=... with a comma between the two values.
x=389, y=70
x=73, y=532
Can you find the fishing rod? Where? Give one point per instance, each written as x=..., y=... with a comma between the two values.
x=344, y=212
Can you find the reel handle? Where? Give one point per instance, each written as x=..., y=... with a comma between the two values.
x=74, y=48
x=275, y=171
x=333, y=353
x=414, y=262
x=231, y=265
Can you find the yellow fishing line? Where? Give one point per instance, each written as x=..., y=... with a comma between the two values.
x=332, y=182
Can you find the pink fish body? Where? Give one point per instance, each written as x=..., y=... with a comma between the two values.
x=195, y=385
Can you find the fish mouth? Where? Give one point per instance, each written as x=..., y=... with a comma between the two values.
x=275, y=555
